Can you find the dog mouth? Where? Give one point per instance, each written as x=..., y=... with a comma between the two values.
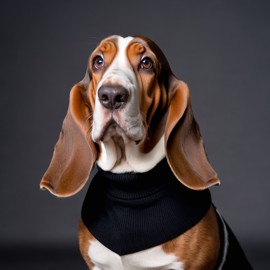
x=113, y=129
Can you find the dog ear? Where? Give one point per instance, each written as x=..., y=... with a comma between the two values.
x=75, y=152
x=184, y=145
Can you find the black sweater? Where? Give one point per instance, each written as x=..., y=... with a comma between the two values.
x=129, y=212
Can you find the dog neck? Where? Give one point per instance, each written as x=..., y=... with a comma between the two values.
x=119, y=156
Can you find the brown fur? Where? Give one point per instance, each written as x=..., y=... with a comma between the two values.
x=84, y=242
x=198, y=248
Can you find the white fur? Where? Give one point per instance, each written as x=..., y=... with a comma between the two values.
x=153, y=258
x=135, y=160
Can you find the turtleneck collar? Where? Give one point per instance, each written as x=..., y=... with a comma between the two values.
x=129, y=212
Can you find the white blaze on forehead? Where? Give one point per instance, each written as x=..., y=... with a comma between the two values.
x=122, y=46
x=122, y=50
x=120, y=71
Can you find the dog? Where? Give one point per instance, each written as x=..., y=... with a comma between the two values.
x=148, y=206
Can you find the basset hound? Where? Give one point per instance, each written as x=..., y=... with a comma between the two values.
x=148, y=205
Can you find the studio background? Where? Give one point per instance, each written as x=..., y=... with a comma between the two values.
x=221, y=49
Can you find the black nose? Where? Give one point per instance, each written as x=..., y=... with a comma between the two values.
x=113, y=97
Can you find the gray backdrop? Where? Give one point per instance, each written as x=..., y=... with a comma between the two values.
x=220, y=48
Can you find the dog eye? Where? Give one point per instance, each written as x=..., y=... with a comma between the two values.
x=147, y=63
x=98, y=62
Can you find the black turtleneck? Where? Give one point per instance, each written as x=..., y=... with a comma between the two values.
x=129, y=212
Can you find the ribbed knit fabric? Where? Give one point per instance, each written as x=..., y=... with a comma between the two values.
x=130, y=212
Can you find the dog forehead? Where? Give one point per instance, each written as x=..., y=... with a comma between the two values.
x=123, y=42
x=117, y=45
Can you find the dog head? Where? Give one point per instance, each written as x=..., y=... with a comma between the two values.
x=128, y=113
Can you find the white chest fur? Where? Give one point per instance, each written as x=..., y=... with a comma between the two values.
x=153, y=258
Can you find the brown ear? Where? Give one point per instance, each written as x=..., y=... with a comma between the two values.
x=184, y=145
x=74, y=153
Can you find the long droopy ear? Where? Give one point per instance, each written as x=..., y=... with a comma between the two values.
x=75, y=152
x=184, y=145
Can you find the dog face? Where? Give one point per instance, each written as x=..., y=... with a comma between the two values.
x=126, y=94
x=124, y=89
x=128, y=113
x=115, y=91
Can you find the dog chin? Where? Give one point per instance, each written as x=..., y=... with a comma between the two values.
x=116, y=132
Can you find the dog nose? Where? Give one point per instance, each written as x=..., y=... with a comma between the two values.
x=113, y=97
